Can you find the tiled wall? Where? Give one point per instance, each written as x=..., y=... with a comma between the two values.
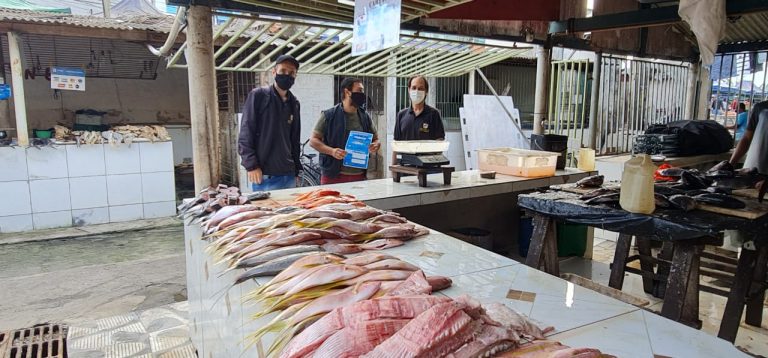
x=69, y=185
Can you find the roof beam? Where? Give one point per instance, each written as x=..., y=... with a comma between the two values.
x=646, y=17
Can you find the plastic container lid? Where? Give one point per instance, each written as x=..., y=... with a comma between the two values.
x=420, y=146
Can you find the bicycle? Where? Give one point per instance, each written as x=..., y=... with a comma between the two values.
x=310, y=173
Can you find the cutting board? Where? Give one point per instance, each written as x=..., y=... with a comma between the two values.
x=754, y=210
x=746, y=193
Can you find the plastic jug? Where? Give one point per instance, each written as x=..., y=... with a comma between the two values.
x=637, y=185
x=586, y=159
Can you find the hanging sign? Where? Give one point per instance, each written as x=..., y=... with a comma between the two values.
x=376, y=26
x=68, y=78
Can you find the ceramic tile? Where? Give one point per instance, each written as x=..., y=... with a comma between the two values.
x=444, y=196
x=672, y=339
x=122, y=159
x=90, y=216
x=17, y=194
x=16, y=223
x=530, y=184
x=159, y=210
x=52, y=219
x=440, y=254
x=156, y=157
x=88, y=192
x=125, y=213
x=14, y=161
x=124, y=189
x=47, y=162
x=395, y=203
x=49, y=195
x=85, y=160
x=623, y=336
x=488, y=190
x=157, y=187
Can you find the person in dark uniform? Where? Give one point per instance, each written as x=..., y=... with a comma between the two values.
x=268, y=142
x=419, y=121
x=332, y=130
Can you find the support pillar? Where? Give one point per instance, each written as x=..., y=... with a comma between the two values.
x=543, y=65
x=17, y=79
x=390, y=105
x=204, y=108
x=594, y=102
x=471, y=83
x=690, y=94
x=703, y=94
x=107, y=8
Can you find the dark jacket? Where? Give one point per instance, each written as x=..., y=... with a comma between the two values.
x=335, y=136
x=428, y=125
x=269, y=133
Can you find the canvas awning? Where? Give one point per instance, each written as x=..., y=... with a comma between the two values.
x=326, y=48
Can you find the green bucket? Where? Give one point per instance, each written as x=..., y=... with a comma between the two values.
x=43, y=133
x=571, y=239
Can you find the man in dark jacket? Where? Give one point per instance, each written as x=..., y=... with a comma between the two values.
x=269, y=131
x=332, y=130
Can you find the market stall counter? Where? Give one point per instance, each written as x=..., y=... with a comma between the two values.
x=684, y=234
x=221, y=314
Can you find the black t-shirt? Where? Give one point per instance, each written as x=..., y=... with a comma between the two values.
x=427, y=125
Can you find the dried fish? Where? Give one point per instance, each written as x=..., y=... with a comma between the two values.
x=604, y=199
x=683, y=202
x=597, y=192
x=594, y=181
x=720, y=200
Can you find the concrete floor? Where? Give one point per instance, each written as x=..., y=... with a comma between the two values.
x=750, y=339
x=79, y=280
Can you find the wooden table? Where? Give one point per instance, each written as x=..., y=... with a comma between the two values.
x=677, y=272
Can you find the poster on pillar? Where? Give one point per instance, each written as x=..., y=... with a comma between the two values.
x=68, y=78
x=376, y=26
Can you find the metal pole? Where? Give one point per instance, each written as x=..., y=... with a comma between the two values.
x=493, y=91
x=543, y=60
x=17, y=79
x=204, y=108
x=471, y=82
x=107, y=8
x=690, y=93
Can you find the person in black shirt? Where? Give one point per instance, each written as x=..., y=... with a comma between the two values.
x=268, y=142
x=419, y=121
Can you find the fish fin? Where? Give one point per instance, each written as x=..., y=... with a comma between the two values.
x=221, y=294
x=287, y=335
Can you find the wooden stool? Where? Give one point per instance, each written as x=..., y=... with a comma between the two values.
x=399, y=171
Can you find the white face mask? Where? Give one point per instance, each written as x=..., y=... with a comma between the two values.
x=417, y=96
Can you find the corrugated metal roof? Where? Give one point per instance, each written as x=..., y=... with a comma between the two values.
x=747, y=28
x=26, y=5
x=149, y=23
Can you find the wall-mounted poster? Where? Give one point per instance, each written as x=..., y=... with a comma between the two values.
x=376, y=26
x=68, y=78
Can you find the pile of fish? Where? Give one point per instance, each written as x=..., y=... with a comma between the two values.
x=684, y=189
x=212, y=199
x=416, y=326
x=266, y=241
x=317, y=284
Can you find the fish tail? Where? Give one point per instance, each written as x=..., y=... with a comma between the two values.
x=270, y=328
x=286, y=336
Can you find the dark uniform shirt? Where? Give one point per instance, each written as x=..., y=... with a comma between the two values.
x=427, y=125
x=269, y=133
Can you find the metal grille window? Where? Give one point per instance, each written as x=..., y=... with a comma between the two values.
x=635, y=94
x=515, y=78
x=736, y=78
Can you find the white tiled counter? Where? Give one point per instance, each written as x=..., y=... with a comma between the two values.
x=70, y=185
x=220, y=322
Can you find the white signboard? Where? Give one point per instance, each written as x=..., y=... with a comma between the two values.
x=376, y=27
x=68, y=78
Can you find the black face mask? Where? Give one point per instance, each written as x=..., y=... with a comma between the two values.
x=285, y=82
x=358, y=98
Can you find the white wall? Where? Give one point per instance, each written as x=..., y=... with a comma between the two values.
x=315, y=92
x=163, y=100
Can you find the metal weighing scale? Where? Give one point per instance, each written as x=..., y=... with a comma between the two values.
x=421, y=158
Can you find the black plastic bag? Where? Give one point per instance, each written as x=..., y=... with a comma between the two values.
x=696, y=137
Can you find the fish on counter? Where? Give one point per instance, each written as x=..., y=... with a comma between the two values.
x=683, y=202
x=597, y=192
x=594, y=181
x=607, y=199
x=720, y=200
x=693, y=180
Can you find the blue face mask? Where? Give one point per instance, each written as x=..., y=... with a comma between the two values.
x=285, y=82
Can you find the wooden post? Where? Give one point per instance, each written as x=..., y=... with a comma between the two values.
x=17, y=79
x=543, y=64
x=204, y=108
x=597, y=68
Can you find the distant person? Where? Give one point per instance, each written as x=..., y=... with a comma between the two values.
x=330, y=135
x=270, y=128
x=754, y=142
x=419, y=121
x=741, y=122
